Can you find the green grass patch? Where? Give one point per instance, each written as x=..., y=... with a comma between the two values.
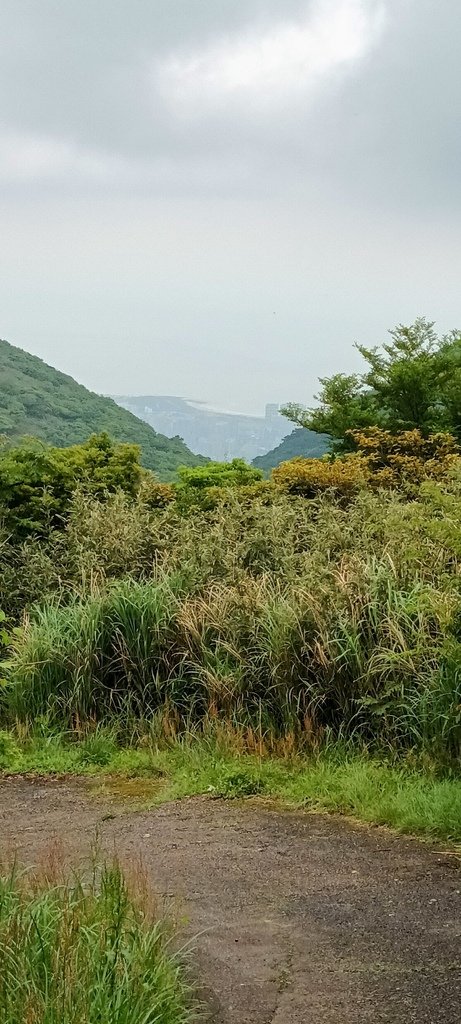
x=339, y=779
x=76, y=951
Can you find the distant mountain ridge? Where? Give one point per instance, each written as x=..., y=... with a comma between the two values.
x=38, y=400
x=217, y=434
x=301, y=442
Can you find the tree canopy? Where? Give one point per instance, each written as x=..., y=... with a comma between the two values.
x=413, y=382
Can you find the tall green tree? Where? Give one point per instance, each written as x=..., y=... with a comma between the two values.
x=412, y=382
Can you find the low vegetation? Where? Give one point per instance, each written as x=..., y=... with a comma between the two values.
x=150, y=762
x=309, y=618
x=79, y=950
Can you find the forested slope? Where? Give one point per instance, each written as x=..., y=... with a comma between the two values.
x=37, y=400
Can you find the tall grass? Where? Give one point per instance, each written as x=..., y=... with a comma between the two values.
x=75, y=951
x=93, y=657
x=360, y=656
x=292, y=617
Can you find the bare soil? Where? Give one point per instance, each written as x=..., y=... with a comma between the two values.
x=296, y=918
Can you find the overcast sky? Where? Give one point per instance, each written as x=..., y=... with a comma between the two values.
x=216, y=198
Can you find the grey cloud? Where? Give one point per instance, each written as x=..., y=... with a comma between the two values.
x=128, y=222
x=79, y=73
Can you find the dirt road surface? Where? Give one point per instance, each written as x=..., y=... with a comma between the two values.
x=297, y=918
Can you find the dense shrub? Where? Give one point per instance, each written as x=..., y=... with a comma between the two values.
x=394, y=461
x=353, y=650
x=206, y=486
x=98, y=656
x=153, y=494
x=236, y=473
x=407, y=458
x=400, y=462
x=309, y=477
x=37, y=481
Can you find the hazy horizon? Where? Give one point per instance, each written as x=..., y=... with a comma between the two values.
x=197, y=403
x=219, y=199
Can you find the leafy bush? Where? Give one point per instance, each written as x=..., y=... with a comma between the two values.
x=236, y=473
x=309, y=477
x=235, y=783
x=37, y=481
x=154, y=495
x=204, y=486
x=395, y=461
x=407, y=458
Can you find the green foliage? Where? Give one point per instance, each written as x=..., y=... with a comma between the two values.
x=154, y=495
x=338, y=777
x=205, y=486
x=37, y=481
x=235, y=783
x=344, y=405
x=219, y=474
x=4, y=635
x=37, y=400
x=352, y=643
x=412, y=382
x=9, y=751
x=74, y=950
x=98, y=656
x=288, y=617
x=4, y=643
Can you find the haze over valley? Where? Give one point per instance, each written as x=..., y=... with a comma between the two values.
x=208, y=431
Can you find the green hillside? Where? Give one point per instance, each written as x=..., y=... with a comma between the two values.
x=37, y=400
x=299, y=442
